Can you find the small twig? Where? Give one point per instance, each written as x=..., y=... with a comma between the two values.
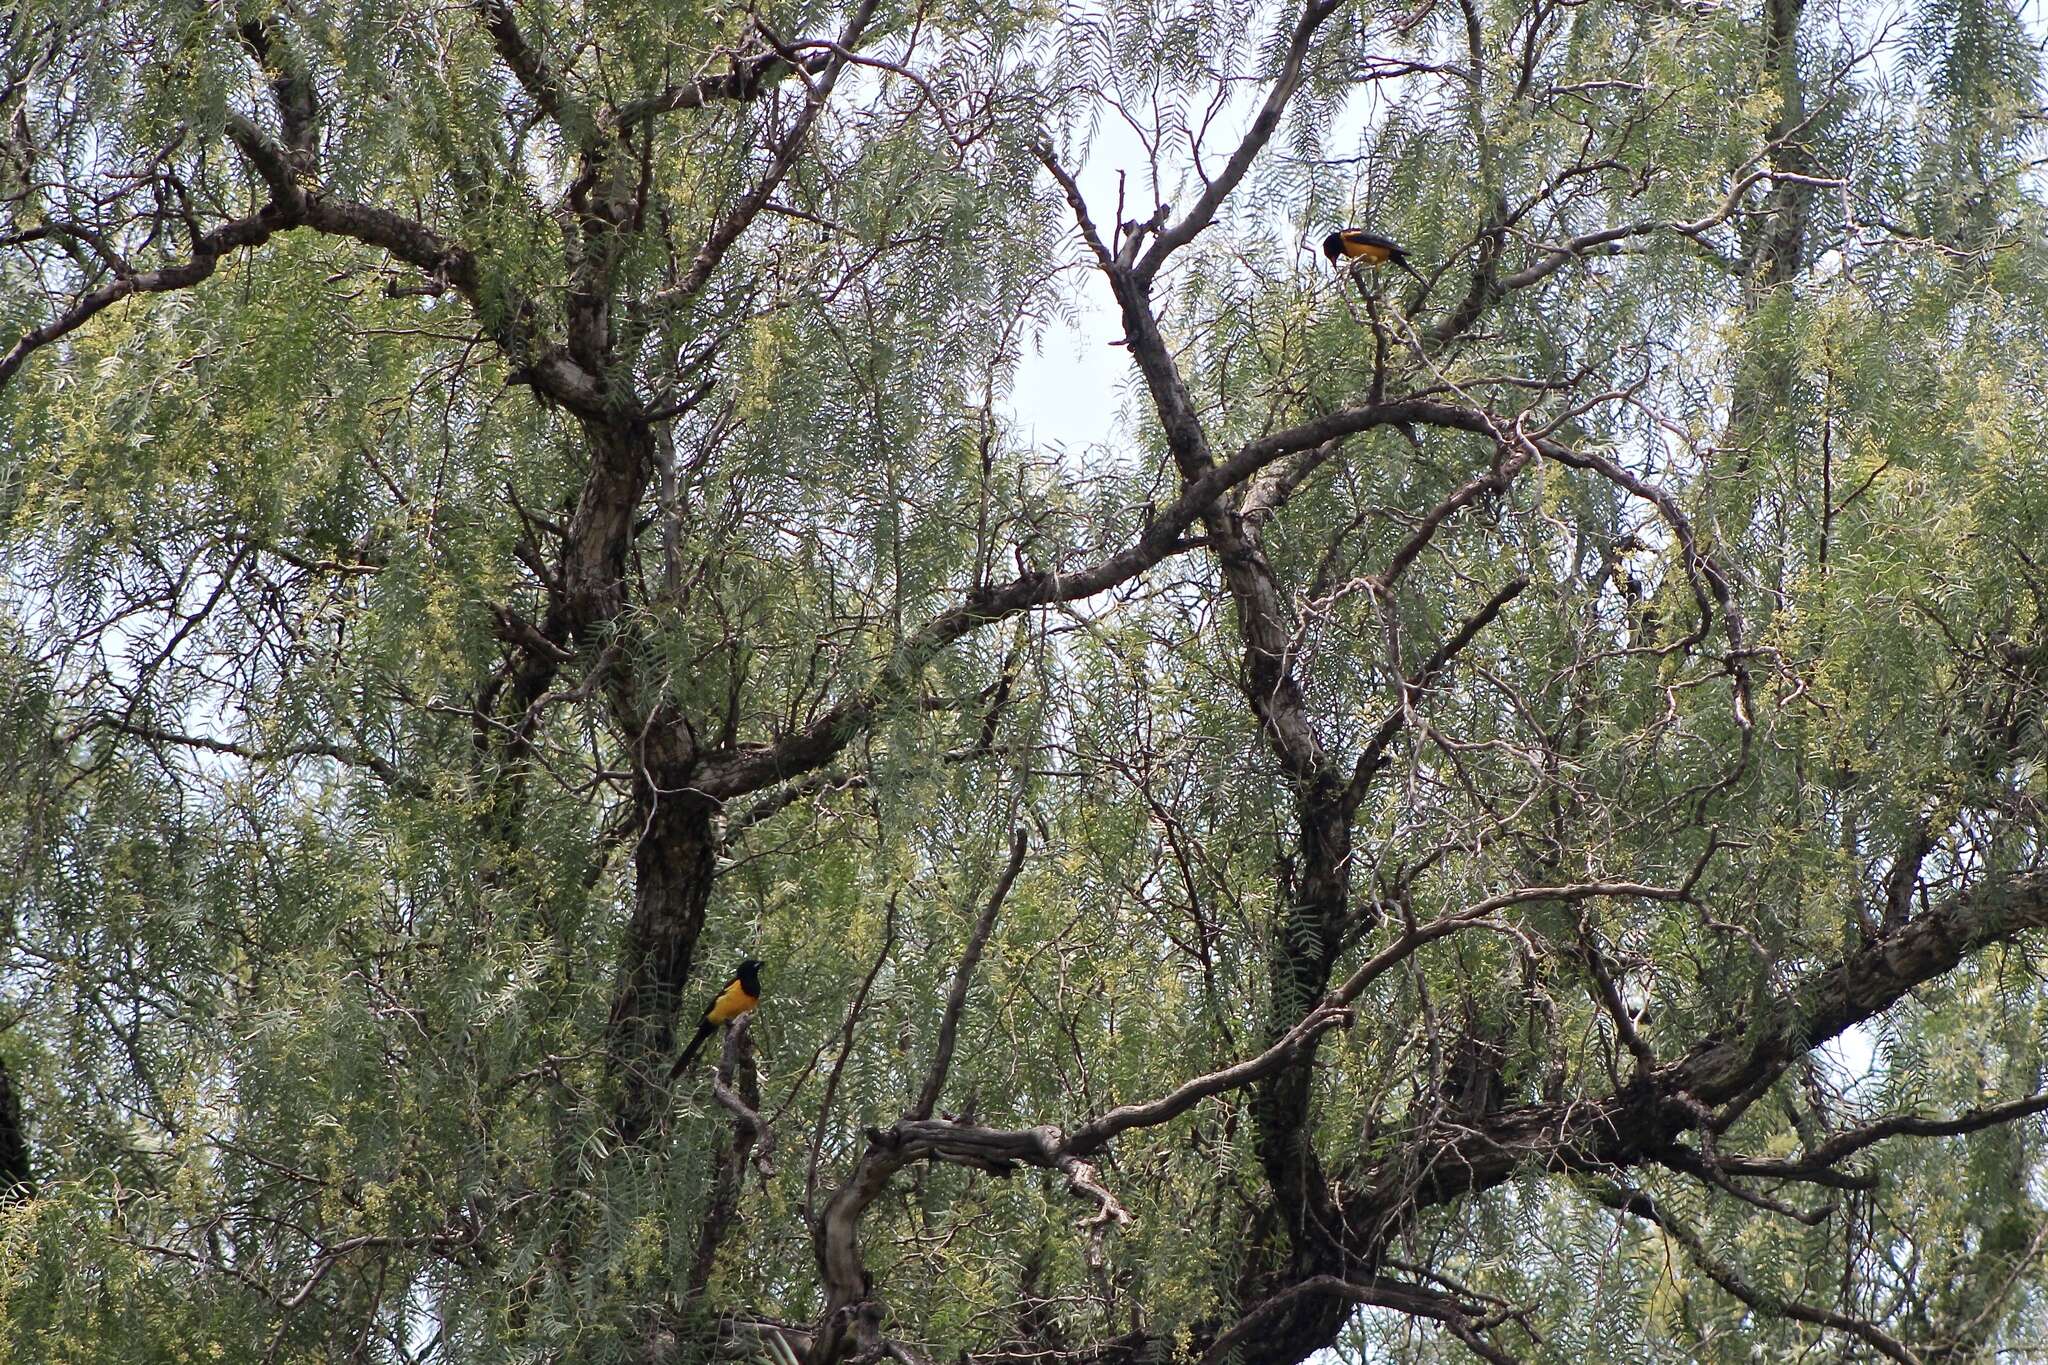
x=963, y=976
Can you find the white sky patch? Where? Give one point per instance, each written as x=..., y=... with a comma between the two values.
x=1066, y=392
x=1852, y=1061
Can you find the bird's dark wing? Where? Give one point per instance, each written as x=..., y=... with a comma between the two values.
x=1364, y=238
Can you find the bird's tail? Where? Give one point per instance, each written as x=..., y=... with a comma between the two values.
x=704, y=1030
x=1402, y=261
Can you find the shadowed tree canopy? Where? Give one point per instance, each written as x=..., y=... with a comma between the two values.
x=1493, y=814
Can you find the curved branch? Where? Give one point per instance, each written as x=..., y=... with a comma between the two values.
x=1819, y=1161
x=851, y=1317
x=783, y=157
x=355, y=756
x=1096, y=1134
x=207, y=252
x=1638, y=1204
x=525, y=61
x=1634, y=1124
x=292, y=206
x=731, y=773
x=292, y=89
x=1380, y=1292
x=747, y=80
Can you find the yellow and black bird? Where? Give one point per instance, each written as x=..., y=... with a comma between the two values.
x=741, y=994
x=1359, y=245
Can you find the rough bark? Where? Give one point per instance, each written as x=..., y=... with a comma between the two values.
x=673, y=874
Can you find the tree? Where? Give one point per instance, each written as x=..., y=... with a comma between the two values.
x=1510, y=803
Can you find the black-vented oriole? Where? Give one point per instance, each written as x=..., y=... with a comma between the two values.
x=741, y=994
x=1359, y=245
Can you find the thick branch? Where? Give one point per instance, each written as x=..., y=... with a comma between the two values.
x=1046, y=1147
x=728, y=774
x=527, y=64
x=233, y=235
x=1631, y=1125
x=292, y=89
x=549, y=369
x=747, y=80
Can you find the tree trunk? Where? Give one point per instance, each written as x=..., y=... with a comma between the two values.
x=673, y=868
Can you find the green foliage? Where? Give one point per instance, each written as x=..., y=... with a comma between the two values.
x=312, y=972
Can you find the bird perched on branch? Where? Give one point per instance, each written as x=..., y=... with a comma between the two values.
x=739, y=996
x=1359, y=245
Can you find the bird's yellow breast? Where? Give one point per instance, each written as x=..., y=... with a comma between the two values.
x=731, y=1003
x=1372, y=253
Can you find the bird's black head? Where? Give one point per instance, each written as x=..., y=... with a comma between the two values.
x=1333, y=245
x=750, y=975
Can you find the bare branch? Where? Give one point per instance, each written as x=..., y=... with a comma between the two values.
x=207, y=252
x=963, y=975
x=846, y=1031
x=1638, y=1204
x=725, y=775
x=1293, y=68
x=1076, y=202
x=1096, y=1134
x=772, y=805
x=749, y=78
x=1373, y=756
x=525, y=61
x=292, y=88
x=1846, y=1144
x=784, y=153
x=735, y=1085
x=352, y=755
x=1379, y=1292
